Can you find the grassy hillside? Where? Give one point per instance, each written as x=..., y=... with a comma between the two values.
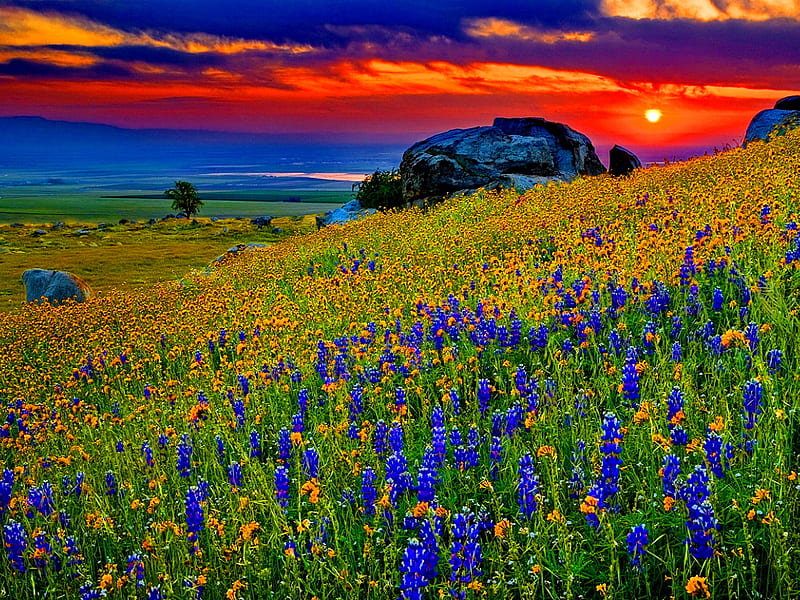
x=587, y=391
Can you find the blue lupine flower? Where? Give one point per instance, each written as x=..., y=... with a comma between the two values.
x=774, y=360
x=311, y=463
x=238, y=412
x=255, y=444
x=397, y=475
x=284, y=445
x=6, y=489
x=400, y=401
x=111, y=484
x=669, y=475
x=194, y=517
x=465, y=552
x=89, y=592
x=752, y=337
x=427, y=477
x=42, y=549
x=282, y=486
x=396, y=437
x=751, y=408
x=244, y=384
x=637, y=541
x=235, y=475
x=495, y=457
x=184, y=461
x=135, y=569
x=368, y=492
x=630, y=377
x=379, y=438
x=712, y=446
x=528, y=486
x=155, y=593
x=484, y=395
x=413, y=567
x=16, y=541
x=678, y=436
x=675, y=402
x=717, y=300
x=455, y=401
x=677, y=352
x=41, y=498
x=147, y=454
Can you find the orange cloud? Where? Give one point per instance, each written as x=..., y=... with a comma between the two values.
x=493, y=27
x=702, y=10
x=22, y=27
x=54, y=57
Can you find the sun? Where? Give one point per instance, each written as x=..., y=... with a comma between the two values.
x=653, y=115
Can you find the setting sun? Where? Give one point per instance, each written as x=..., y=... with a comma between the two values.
x=653, y=115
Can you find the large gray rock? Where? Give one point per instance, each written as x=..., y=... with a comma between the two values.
x=350, y=211
x=54, y=286
x=511, y=153
x=622, y=161
x=785, y=115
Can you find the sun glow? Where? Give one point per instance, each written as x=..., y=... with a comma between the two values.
x=653, y=115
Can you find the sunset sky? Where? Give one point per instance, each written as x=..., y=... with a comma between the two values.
x=404, y=70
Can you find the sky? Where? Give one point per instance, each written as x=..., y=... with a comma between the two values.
x=403, y=70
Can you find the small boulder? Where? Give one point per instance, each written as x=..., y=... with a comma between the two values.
x=350, y=211
x=39, y=233
x=83, y=232
x=622, y=161
x=59, y=225
x=261, y=222
x=54, y=286
x=123, y=221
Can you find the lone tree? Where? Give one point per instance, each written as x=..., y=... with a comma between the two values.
x=184, y=198
x=382, y=190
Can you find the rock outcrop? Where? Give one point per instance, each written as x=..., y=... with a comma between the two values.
x=785, y=115
x=54, y=286
x=350, y=211
x=622, y=161
x=516, y=153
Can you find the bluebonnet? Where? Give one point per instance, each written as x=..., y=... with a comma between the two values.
x=637, y=541
x=368, y=492
x=701, y=522
x=717, y=300
x=311, y=463
x=255, y=444
x=774, y=360
x=184, y=460
x=147, y=454
x=194, y=517
x=284, y=445
x=16, y=541
x=111, y=484
x=630, y=377
x=528, y=486
x=282, y=486
x=752, y=394
x=235, y=475
x=484, y=396
x=427, y=477
x=465, y=552
x=413, y=568
x=41, y=498
x=379, y=438
x=669, y=475
x=6, y=489
x=135, y=569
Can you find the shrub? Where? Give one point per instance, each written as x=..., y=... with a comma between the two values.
x=382, y=190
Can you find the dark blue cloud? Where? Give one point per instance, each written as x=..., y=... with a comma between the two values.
x=19, y=67
x=305, y=20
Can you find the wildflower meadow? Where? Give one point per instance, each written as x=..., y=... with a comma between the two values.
x=584, y=391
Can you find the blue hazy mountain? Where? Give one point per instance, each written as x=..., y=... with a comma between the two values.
x=35, y=151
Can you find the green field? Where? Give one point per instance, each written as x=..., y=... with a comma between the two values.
x=39, y=204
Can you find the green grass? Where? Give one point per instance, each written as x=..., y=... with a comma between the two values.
x=41, y=205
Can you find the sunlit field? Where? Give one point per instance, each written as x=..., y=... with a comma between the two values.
x=586, y=391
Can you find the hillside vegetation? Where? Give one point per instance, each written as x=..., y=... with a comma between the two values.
x=587, y=391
